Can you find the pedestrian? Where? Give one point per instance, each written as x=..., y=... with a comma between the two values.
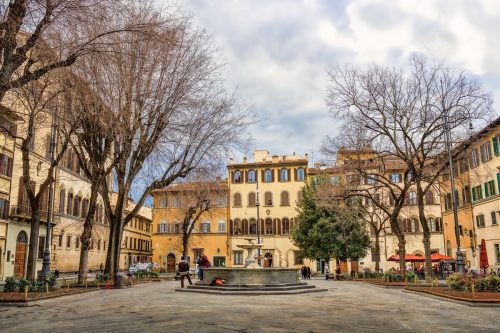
x=303, y=272
x=198, y=263
x=184, y=271
x=327, y=272
x=308, y=273
x=337, y=273
x=203, y=264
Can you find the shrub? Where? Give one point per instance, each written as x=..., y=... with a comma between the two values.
x=393, y=277
x=22, y=283
x=410, y=275
x=155, y=274
x=102, y=277
x=488, y=283
x=51, y=281
x=11, y=284
x=36, y=285
x=460, y=282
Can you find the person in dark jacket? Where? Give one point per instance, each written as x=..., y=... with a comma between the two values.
x=308, y=273
x=184, y=271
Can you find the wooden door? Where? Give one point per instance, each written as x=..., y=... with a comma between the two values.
x=354, y=266
x=20, y=256
x=343, y=267
x=268, y=260
x=171, y=263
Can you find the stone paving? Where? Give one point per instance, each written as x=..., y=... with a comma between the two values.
x=155, y=307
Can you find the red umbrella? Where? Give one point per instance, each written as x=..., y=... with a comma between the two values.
x=408, y=258
x=439, y=257
x=483, y=256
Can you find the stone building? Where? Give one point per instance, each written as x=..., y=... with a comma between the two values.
x=477, y=186
x=279, y=180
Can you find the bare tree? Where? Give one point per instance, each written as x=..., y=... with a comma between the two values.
x=405, y=114
x=58, y=28
x=42, y=105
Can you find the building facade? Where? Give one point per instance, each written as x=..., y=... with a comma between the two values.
x=209, y=235
x=477, y=188
x=279, y=180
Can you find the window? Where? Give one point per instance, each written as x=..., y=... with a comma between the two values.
x=5, y=165
x=300, y=174
x=219, y=261
x=98, y=245
x=222, y=200
x=251, y=176
x=284, y=175
x=70, y=203
x=4, y=209
x=431, y=222
x=237, y=200
x=412, y=198
x=62, y=198
x=238, y=257
x=205, y=226
x=497, y=253
x=285, y=226
x=8, y=126
x=299, y=197
x=41, y=247
x=373, y=255
x=60, y=240
x=395, y=177
x=76, y=205
x=177, y=227
x=489, y=188
x=486, y=152
x=237, y=177
x=237, y=227
x=466, y=195
x=335, y=180
x=493, y=218
x=285, y=198
x=68, y=242
x=253, y=227
x=297, y=258
x=162, y=203
x=221, y=226
x=104, y=245
x=480, y=221
x=268, y=176
x=429, y=198
x=251, y=199
x=77, y=243
x=413, y=225
x=370, y=179
x=474, y=158
x=477, y=193
x=268, y=199
x=464, y=165
x=269, y=226
x=163, y=227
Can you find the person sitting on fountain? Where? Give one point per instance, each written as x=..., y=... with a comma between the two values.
x=202, y=262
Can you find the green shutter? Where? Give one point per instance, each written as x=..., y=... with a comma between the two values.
x=495, y=145
x=486, y=192
x=480, y=194
x=473, y=194
x=492, y=183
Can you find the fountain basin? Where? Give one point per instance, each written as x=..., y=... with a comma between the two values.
x=244, y=276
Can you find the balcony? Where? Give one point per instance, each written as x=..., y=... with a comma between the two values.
x=24, y=212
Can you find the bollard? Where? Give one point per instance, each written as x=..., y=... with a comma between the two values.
x=46, y=288
x=85, y=281
x=26, y=292
x=473, y=290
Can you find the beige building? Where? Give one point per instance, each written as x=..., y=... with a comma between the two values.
x=280, y=180
x=477, y=185
x=344, y=173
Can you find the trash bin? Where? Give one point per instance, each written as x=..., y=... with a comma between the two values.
x=119, y=281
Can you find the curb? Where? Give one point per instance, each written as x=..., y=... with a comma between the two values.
x=472, y=303
x=24, y=303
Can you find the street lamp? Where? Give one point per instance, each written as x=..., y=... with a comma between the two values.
x=460, y=259
x=46, y=253
x=257, y=204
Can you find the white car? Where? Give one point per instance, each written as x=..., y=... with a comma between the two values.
x=133, y=269
x=143, y=267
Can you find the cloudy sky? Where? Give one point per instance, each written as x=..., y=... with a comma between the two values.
x=277, y=52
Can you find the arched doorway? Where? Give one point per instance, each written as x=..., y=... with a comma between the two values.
x=20, y=257
x=268, y=260
x=171, y=263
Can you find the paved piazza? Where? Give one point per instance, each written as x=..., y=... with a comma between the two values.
x=155, y=307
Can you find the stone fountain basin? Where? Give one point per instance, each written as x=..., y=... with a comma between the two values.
x=244, y=276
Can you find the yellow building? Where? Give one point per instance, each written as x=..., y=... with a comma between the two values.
x=345, y=173
x=209, y=235
x=7, y=129
x=280, y=180
x=477, y=186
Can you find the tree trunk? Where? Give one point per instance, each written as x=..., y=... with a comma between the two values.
x=377, y=250
x=113, y=255
x=426, y=231
x=87, y=233
x=33, y=241
x=185, y=242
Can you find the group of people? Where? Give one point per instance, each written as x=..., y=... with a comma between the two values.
x=183, y=268
x=305, y=272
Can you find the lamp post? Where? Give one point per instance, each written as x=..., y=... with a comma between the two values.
x=46, y=252
x=257, y=204
x=460, y=260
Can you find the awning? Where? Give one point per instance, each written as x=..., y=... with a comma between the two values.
x=408, y=258
x=439, y=257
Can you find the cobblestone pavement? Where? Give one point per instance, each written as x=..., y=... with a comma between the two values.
x=155, y=307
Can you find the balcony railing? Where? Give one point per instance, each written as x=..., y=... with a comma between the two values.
x=24, y=212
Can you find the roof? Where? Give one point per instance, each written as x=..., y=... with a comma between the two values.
x=193, y=186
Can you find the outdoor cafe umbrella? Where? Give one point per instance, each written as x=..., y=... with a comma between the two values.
x=483, y=256
x=439, y=257
x=408, y=258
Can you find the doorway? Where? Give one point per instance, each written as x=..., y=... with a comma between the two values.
x=20, y=256
x=171, y=263
x=268, y=260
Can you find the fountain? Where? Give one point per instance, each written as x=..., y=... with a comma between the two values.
x=250, y=247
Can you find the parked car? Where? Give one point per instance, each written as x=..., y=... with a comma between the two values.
x=133, y=269
x=146, y=266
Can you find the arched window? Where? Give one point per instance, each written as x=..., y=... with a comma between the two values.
x=284, y=175
x=70, y=204
x=299, y=197
x=431, y=222
x=300, y=174
x=84, y=208
x=429, y=198
x=251, y=199
x=221, y=226
x=285, y=199
x=205, y=226
x=76, y=205
x=268, y=176
x=62, y=198
x=22, y=237
x=237, y=200
x=269, y=226
x=412, y=198
x=253, y=227
x=413, y=225
x=439, y=224
x=163, y=226
x=268, y=199
x=285, y=226
x=237, y=229
x=237, y=177
x=251, y=176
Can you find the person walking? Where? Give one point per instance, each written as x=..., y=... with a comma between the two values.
x=184, y=271
x=308, y=273
x=303, y=272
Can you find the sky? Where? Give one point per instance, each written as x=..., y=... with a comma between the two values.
x=277, y=53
